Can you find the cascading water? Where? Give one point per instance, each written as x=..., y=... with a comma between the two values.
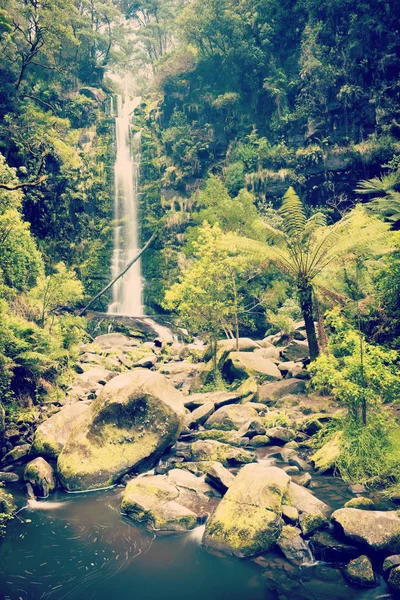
x=127, y=291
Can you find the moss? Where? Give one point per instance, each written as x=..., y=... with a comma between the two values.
x=363, y=503
x=311, y=523
x=326, y=457
x=227, y=437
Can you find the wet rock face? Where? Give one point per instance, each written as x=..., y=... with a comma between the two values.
x=248, y=519
x=41, y=476
x=136, y=417
x=378, y=530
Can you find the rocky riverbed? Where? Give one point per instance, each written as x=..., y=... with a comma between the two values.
x=234, y=464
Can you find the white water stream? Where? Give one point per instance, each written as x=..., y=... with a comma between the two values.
x=127, y=296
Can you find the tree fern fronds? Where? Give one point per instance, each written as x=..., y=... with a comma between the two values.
x=379, y=186
x=314, y=222
x=273, y=235
x=292, y=211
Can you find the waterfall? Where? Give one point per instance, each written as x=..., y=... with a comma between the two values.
x=128, y=291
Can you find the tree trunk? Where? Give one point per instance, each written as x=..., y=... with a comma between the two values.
x=306, y=303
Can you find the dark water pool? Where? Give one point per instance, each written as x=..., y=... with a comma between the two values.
x=80, y=547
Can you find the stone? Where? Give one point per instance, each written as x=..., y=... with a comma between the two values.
x=394, y=579
x=311, y=523
x=114, y=341
x=180, y=373
x=377, y=530
x=304, y=480
x=290, y=514
x=137, y=416
x=219, y=477
x=16, y=454
x=295, y=350
x=280, y=435
x=296, y=461
x=226, y=437
x=41, y=477
x=219, y=399
x=293, y=370
x=361, y=503
x=258, y=441
x=390, y=562
x=185, y=480
x=8, y=477
x=51, y=435
x=252, y=428
x=270, y=353
x=96, y=375
x=360, y=572
x=226, y=346
x=157, y=502
x=233, y=416
x=328, y=548
x=305, y=502
x=270, y=392
x=247, y=521
x=209, y=450
x=200, y=415
x=292, y=545
x=241, y=365
x=325, y=458
x=147, y=362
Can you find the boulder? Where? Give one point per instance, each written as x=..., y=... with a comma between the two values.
x=290, y=514
x=280, y=435
x=7, y=477
x=252, y=428
x=233, y=416
x=146, y=362
x=113, y=341
x=157, y=502
x=295, y=350
x=269, y=392
x=16, y=454
x=313, y=512
x=200, y=415
x=361, y=503
x=209, y=450
x=241, y=365
x=247, y=521
x=41, y=477
x=136, y=417
x=390, y=562
x=270, y=353
x=377, y=530
x=180, y=373
x=219, y=477
x=325, y=458
x=226, y=346
x=360, y=572
x=328, y=548
x=292, y=545
x=219, y=399
x=394, y=579
x=51, y=435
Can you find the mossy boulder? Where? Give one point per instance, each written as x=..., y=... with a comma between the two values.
x=209, y=450
x=269, y=392
x=136, y=417
x=219, y=477
x=313, y=513
x=361, y=503
x=176, y=502
x=7, y=509
x=394, y=579
x=243, y=365
x=329, y=548
x=326, y=457
x=248, y=519
x=41, y=476
x=51, y=435
x=377, y=530
x=360, y=572
x=231, y=417
x=16, y=454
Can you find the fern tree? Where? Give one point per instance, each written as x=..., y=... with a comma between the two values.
x=306, y=249
x=385, y=197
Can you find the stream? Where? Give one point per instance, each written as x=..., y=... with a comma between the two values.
x=79, y=546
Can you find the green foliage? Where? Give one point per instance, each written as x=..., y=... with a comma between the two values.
x=285, y=317
x=56, y=290
x=355, y=372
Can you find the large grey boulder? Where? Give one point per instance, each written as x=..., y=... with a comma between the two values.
x=226, y=346
x=292, y=545
x=199, y=415
x=248, y=519
x=175, y=502
x=41, y=476
x=51, y=435
x=136, y=417
x=378, y=530
x=242, y=365
x=269, y=392
x=219, y=477
x=231, y=417
x=295, y=350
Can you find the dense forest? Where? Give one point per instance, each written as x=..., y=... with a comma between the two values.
x=269, y=209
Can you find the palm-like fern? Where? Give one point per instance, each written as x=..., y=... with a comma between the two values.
x=387, y=200
x=305, y=248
